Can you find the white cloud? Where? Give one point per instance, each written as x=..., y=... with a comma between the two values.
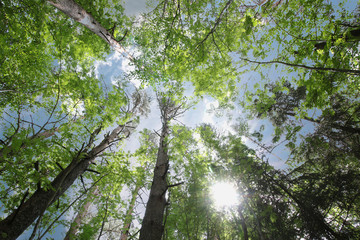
x=127, y=66
x=209, y=114
x=134, y=7
x=99, y=63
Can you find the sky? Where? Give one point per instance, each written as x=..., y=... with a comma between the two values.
x=115, y=65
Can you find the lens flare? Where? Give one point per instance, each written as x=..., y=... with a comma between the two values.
x=224, y=194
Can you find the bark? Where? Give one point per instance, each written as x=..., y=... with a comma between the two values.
x=152, y=225
x=129, y=217
x=75, y=226
x=76, y=12
x=243, y=225
x=21, y=218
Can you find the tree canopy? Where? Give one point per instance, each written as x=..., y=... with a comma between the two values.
x=76, y=161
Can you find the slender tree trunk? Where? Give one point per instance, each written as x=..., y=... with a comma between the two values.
x=243, y=225
x=83, y=211
x=21, y=218
x=76, y=12
x=129, y=217
x=257, y=221
x=152, y=225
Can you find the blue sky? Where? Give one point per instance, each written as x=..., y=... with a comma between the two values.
x=116, y=65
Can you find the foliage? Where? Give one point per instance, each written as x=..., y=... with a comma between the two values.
x=55, y=110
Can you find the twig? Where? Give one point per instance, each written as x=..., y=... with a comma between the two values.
x=103, y=222
x=58, y=217
x=218, y=20
x=350, y=71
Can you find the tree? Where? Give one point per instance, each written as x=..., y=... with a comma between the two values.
x=35, y=206
x=269, y=196
x=121, y=212
x=83, y=211
x=49, y=185
x=54, y=107
x=152, y=225
x=76, y=12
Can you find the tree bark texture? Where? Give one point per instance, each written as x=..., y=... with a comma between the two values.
x=76, y=12
x=21, y=218
x=129, y=217
x=152, y=226
x=83, y=211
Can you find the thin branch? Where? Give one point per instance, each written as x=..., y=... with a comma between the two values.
x=53, y=110
x=176, y=184
x=265, y=147
x=82, y=182
x=93, y=171
x=105, y=215
x=58, y=217
x=36, y=227
x=127, y=31
x=218, y=20
x=349, y=71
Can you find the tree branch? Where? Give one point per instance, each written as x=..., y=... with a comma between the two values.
x=218, y=20
x=349, y=71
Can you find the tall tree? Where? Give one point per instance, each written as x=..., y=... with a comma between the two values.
x=29, y=210
x=49, y=185
x=152, y=224
x=47, y=67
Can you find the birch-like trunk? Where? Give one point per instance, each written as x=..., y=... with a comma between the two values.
x=21, y=218
x=83, y=211
x=76, y=12
x=129, y=216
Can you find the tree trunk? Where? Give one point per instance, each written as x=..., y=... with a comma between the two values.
x=129, y=217
x=21, y=218
x=83, y=211
x=243, y=225
x=76, y=12
x=152, y=226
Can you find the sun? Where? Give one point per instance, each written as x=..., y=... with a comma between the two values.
x=224, y=194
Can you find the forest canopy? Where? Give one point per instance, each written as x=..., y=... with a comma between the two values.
x=262, y=96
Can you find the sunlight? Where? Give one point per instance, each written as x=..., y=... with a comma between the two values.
x=224, y=194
